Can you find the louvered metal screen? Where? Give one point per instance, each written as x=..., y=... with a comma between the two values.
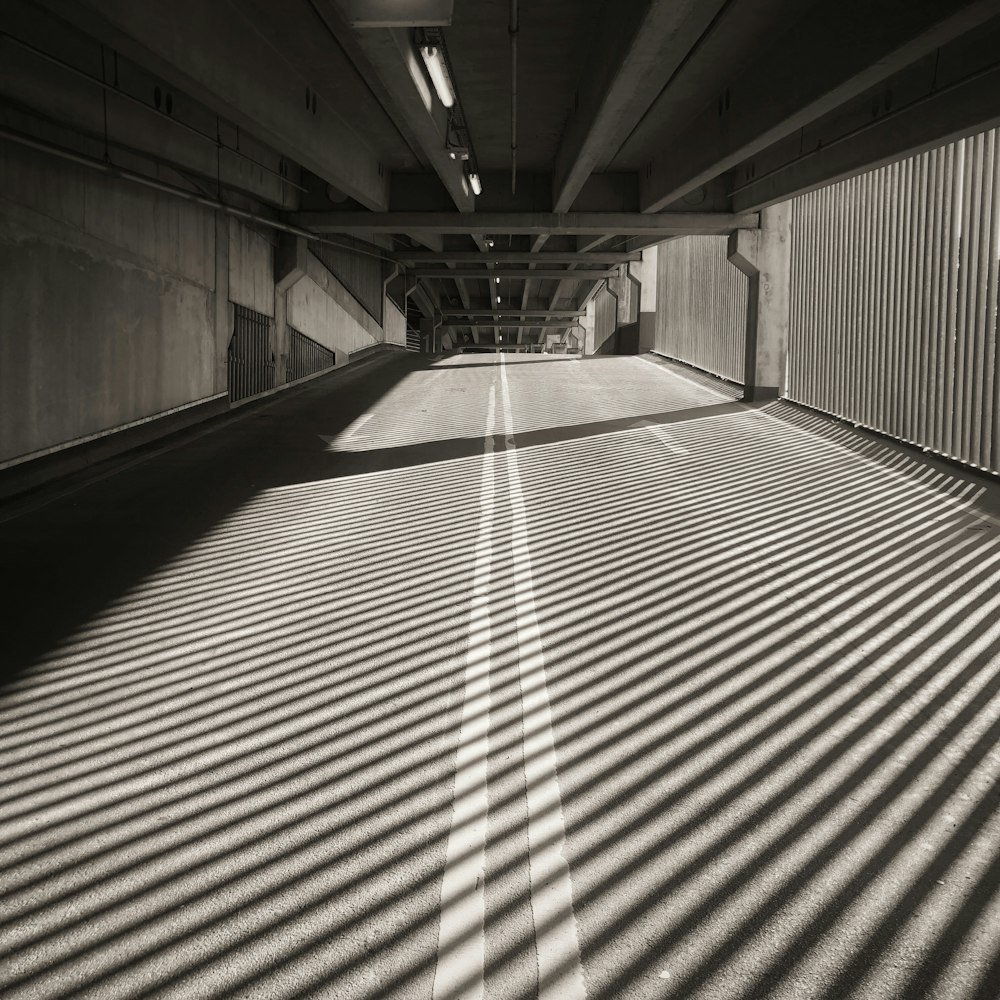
x=701, y=305
x=894, y=300
x=251, y=361
x=305, y=356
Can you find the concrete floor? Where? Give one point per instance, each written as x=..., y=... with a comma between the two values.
x=545, y=678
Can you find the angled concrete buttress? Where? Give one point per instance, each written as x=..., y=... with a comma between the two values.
x=764, y=256
x=291, y=264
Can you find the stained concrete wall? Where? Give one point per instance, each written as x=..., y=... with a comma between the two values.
x=322, y=308
x=395, y=323
x=115, y=304
x=251, y=267
x=324, y=319
x=106, y=302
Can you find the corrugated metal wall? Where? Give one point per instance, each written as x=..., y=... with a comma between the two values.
x=894, y=300
x=361, y=275
x=701, y=305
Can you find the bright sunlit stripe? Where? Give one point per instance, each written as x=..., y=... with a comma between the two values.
x=560, y=974
x=462, y=935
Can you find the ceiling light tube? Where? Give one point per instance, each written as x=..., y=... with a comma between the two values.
x=477, y=187
x=438, y=74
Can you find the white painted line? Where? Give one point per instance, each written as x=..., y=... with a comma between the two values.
x=462, y=936
x=665, y=437
x=356, y=426
x=560, y=972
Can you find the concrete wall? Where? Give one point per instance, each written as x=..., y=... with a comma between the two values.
x=115, y=304
x=106, y=302
x=251, y=267
x=645, y=272
x=323, y=318
x=395, y=323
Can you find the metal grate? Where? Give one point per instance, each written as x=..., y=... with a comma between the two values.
x=251, y=361
x=412, y=338
x=894, y=300
x=305, y=356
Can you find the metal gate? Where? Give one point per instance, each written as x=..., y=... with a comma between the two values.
x=305, y=356
x=251, y=360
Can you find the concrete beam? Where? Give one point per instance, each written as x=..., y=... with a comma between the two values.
x=388, y=58
x=550, y=273
x=830, y=54
x=640, y=48
x=398, y=13
x=528, y=224
x=217, y=55
x=939, y=101
x=291, y=262
x=516, y=313
x=513, y=257
x=511, y=324
x=764, y=256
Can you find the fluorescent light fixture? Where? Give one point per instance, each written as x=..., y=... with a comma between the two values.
x=477, y=187
x=497, y=280
x=438, y=74
x=419, y=80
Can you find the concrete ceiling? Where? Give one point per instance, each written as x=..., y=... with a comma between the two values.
x=651, y=108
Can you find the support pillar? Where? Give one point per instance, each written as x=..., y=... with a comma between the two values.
x=644, y=271
x=588, y=322
x=223, y=311
x=764, y=256
x=289, y=267
x=427, y=335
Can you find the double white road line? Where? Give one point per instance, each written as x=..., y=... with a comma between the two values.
x=461, y=961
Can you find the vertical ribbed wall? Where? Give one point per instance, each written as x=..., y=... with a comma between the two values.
x=894, y=300
x=701, y=305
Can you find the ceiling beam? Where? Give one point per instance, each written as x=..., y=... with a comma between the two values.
x=529, y=223
x=387, y=61
x=551, y=274
x=937, y=101
x=510, y=324
x=513, y=257
x=821, y=60
x=398, y=13
x=219, y=55
x=483, y=314
x=641, y=47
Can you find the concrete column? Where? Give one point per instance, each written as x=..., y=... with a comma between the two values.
x=764, y=256
x=223, y=311
x=644, y=271
x=289, y=267
x=588, y=321
x=427, y=336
